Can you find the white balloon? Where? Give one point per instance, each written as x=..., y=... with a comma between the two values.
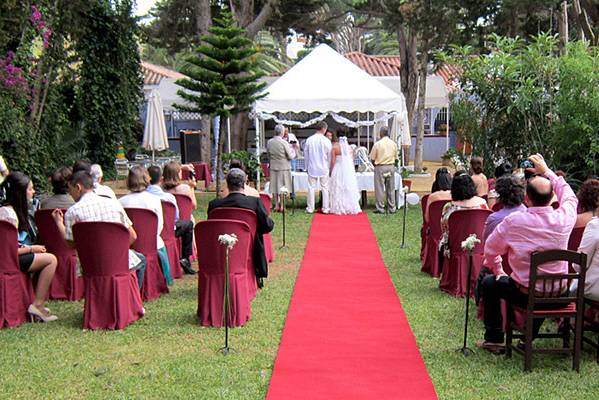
x=412, y=199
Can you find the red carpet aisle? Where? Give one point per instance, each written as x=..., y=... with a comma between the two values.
x=346, y=335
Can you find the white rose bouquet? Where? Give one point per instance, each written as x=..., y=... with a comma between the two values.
x=470, y=242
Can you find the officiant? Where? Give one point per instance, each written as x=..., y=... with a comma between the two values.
x=384, y=156
x=280, y=154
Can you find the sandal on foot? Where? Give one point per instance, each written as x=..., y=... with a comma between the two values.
x=494, y=348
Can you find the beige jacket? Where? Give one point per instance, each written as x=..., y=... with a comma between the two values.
x=279, y=152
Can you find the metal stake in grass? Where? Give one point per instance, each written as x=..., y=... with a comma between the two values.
x=283, y=192
x=229, y=241
x=468, y=245
x=405, y=211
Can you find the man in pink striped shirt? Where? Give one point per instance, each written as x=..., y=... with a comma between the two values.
x=520, y=234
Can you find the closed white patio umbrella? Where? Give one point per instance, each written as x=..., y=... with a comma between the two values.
x=155, y=137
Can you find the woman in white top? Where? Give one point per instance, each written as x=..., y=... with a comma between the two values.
x=590, y=246
x=137, y=182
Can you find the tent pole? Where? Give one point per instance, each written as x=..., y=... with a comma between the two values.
x=447, y=130
x=257, y=122
x=229, y=134
x=368, y=131
x=358, y=129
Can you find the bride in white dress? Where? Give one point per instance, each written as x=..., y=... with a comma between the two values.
x=343, y=186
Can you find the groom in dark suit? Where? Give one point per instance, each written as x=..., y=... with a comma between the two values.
x=236, y=183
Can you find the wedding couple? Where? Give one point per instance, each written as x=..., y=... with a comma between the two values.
x=331, y=165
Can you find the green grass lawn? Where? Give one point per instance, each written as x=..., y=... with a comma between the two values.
x=166, y=355
x=437, y=321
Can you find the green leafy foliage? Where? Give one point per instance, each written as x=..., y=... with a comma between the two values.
x=527, y=98
x=251, y=163
x=109, y=91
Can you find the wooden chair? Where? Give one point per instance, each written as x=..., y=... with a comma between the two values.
x=553, y=301
x=591, y=323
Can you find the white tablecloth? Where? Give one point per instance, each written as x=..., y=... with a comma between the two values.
x=299, y=183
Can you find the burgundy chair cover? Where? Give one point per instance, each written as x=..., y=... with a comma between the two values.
x=170, y=241
x=185, y=211
x=249, y=217
x=145, y=223
x=497, y=206
x=423, y=228
x=202, y=171
x=430, y=261
x=463, y=223
x=65, y=285
x=211, y=276
x=575, y=238
x=265, y=169
x=16, y=293
x=112, y=299
x=270, y=253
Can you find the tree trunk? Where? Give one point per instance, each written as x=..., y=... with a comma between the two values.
x=563, y=26
x=421, y=97
x=239, y=131
x=204, y=17
x=408, y=45
x=219, y=153
x=206, y=142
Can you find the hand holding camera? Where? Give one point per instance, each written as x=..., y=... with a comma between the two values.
x=535, y=164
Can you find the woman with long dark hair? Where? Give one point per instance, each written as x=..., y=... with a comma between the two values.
x=18, y=191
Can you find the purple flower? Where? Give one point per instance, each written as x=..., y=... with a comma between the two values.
x=36, y=15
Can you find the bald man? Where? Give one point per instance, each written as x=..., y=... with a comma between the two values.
x=538, y=228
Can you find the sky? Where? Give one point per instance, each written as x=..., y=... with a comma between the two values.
x=143, y=6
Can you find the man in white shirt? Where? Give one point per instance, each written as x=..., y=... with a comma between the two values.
x=317, y=155
x=90, y=207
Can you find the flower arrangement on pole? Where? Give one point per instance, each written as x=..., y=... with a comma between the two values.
x=228, y=240
x=468, y=245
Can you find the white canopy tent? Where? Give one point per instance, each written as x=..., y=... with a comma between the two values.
x=327, y=83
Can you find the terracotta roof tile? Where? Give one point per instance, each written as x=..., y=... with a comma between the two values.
x=153, y=73
x=374, y=65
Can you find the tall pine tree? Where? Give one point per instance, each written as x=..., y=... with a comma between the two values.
x=223, y=77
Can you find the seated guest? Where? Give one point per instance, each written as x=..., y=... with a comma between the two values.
x=183, y=228
x=539, y=227
x=479, y=179
x=137, y=182
x=590, y=246
x=588, y=202
x=247, y=189
x=89, y=207
x=172, y=182
x=463, y=197
x=237, y=198
x=99, y=189
x=61, y=198
x=18, y=190
x=440, y=171
x=511, y=190
x=82, y=165
x=501, y=170
x=441, y=189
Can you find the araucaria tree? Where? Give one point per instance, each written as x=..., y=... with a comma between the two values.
x=222, y=77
